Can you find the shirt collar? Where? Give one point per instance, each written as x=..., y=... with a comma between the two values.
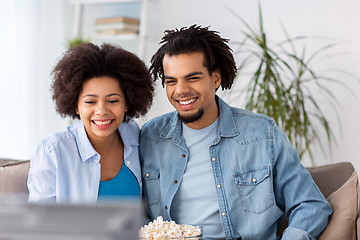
x=128, y=134
x=226, y=127
x=86, y=150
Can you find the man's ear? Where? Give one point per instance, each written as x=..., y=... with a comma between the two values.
x=216, y=75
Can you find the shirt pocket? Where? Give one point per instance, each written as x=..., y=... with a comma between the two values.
x=256, y=189
x=151, y=183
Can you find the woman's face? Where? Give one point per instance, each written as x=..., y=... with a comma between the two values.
x=101, y=106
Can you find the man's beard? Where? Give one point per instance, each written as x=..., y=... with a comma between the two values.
x=191, y=118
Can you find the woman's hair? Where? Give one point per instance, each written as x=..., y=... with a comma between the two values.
x=217, y=54
x=86, y=61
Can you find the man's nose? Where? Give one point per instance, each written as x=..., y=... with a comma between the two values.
x=182, y=87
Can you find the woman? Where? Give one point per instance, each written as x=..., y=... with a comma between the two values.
x=104, y=87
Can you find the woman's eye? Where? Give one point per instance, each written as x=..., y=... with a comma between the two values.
x=113, y=101
x=89, y=102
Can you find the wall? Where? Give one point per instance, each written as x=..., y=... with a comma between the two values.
x=32, y=116
x=329, y=19
x=33, y=37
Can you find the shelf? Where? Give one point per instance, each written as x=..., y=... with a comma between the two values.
x=100, y=1
x=86, y=11
x=116, y=37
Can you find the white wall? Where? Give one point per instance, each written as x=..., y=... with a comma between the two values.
x=328, y=18
x=33, y=37
x=333, y=19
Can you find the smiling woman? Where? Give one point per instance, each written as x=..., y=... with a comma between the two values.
x=104, y=87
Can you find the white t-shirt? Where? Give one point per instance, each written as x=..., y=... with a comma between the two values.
x=196, y=201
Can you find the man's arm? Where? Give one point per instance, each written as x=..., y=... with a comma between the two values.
x=296, y=193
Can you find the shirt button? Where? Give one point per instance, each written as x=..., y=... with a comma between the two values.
x=165, y=207
x=223, y=213
x=213, y=159
x=183, y=155
x=128, y=162
x=254, y=180
x=218, y=186
x=175, y=181
x=147, y=174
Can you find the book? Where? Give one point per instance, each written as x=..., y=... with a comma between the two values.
x=118, y=20
x=116, y=32
x=116, y=25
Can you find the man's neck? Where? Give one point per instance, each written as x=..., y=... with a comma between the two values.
x=207, y=119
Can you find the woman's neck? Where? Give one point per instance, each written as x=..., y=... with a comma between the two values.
x=105, y=145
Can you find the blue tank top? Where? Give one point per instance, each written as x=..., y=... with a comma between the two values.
x=124, y=184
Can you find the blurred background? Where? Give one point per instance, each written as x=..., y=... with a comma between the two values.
x=37, y=32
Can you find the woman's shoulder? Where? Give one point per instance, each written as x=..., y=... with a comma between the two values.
x=131, y=126
x=130, y=131
x=58, y=137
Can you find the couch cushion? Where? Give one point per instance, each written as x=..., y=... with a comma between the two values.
x=331, y=177
x=13, y=176
x=344, y=202
x=328, y=178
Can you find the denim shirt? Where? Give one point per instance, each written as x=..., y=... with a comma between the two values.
x=257, y=173
x=66, y=168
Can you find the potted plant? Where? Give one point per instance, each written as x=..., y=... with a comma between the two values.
x=283, y=85
x=75, y=41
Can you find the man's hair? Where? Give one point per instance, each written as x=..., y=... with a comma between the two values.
x=86, y=61
x=217, y=54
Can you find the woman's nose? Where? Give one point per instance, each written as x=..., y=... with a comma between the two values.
x=101, y=108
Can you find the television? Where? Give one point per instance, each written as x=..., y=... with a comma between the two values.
x=118, y=219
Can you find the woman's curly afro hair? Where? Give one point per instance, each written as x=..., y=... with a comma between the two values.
x=86, y=61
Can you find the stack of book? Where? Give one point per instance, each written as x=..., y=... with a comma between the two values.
x=116, y=26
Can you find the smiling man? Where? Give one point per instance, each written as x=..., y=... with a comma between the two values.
x=228, y=170
x=191, y=89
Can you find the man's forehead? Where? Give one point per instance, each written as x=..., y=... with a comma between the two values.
x=189, y=61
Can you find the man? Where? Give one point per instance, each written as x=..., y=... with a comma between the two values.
x=228, y=170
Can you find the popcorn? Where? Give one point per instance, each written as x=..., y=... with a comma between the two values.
x=160, y=229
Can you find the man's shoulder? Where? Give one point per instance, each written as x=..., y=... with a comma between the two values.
x=155, y=126
x=241, y=115
x=249, y=126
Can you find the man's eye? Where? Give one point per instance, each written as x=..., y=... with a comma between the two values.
x=169, y=82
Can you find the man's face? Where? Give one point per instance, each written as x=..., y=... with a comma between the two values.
x=191, y=89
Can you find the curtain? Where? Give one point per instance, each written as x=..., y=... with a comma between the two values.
x=32, y=40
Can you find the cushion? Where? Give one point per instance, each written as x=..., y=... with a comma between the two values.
x=339, y=172
x=13, y=176
x=344, y=202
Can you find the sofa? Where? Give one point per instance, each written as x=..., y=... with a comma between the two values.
x=338, y=182
x=13, y=176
